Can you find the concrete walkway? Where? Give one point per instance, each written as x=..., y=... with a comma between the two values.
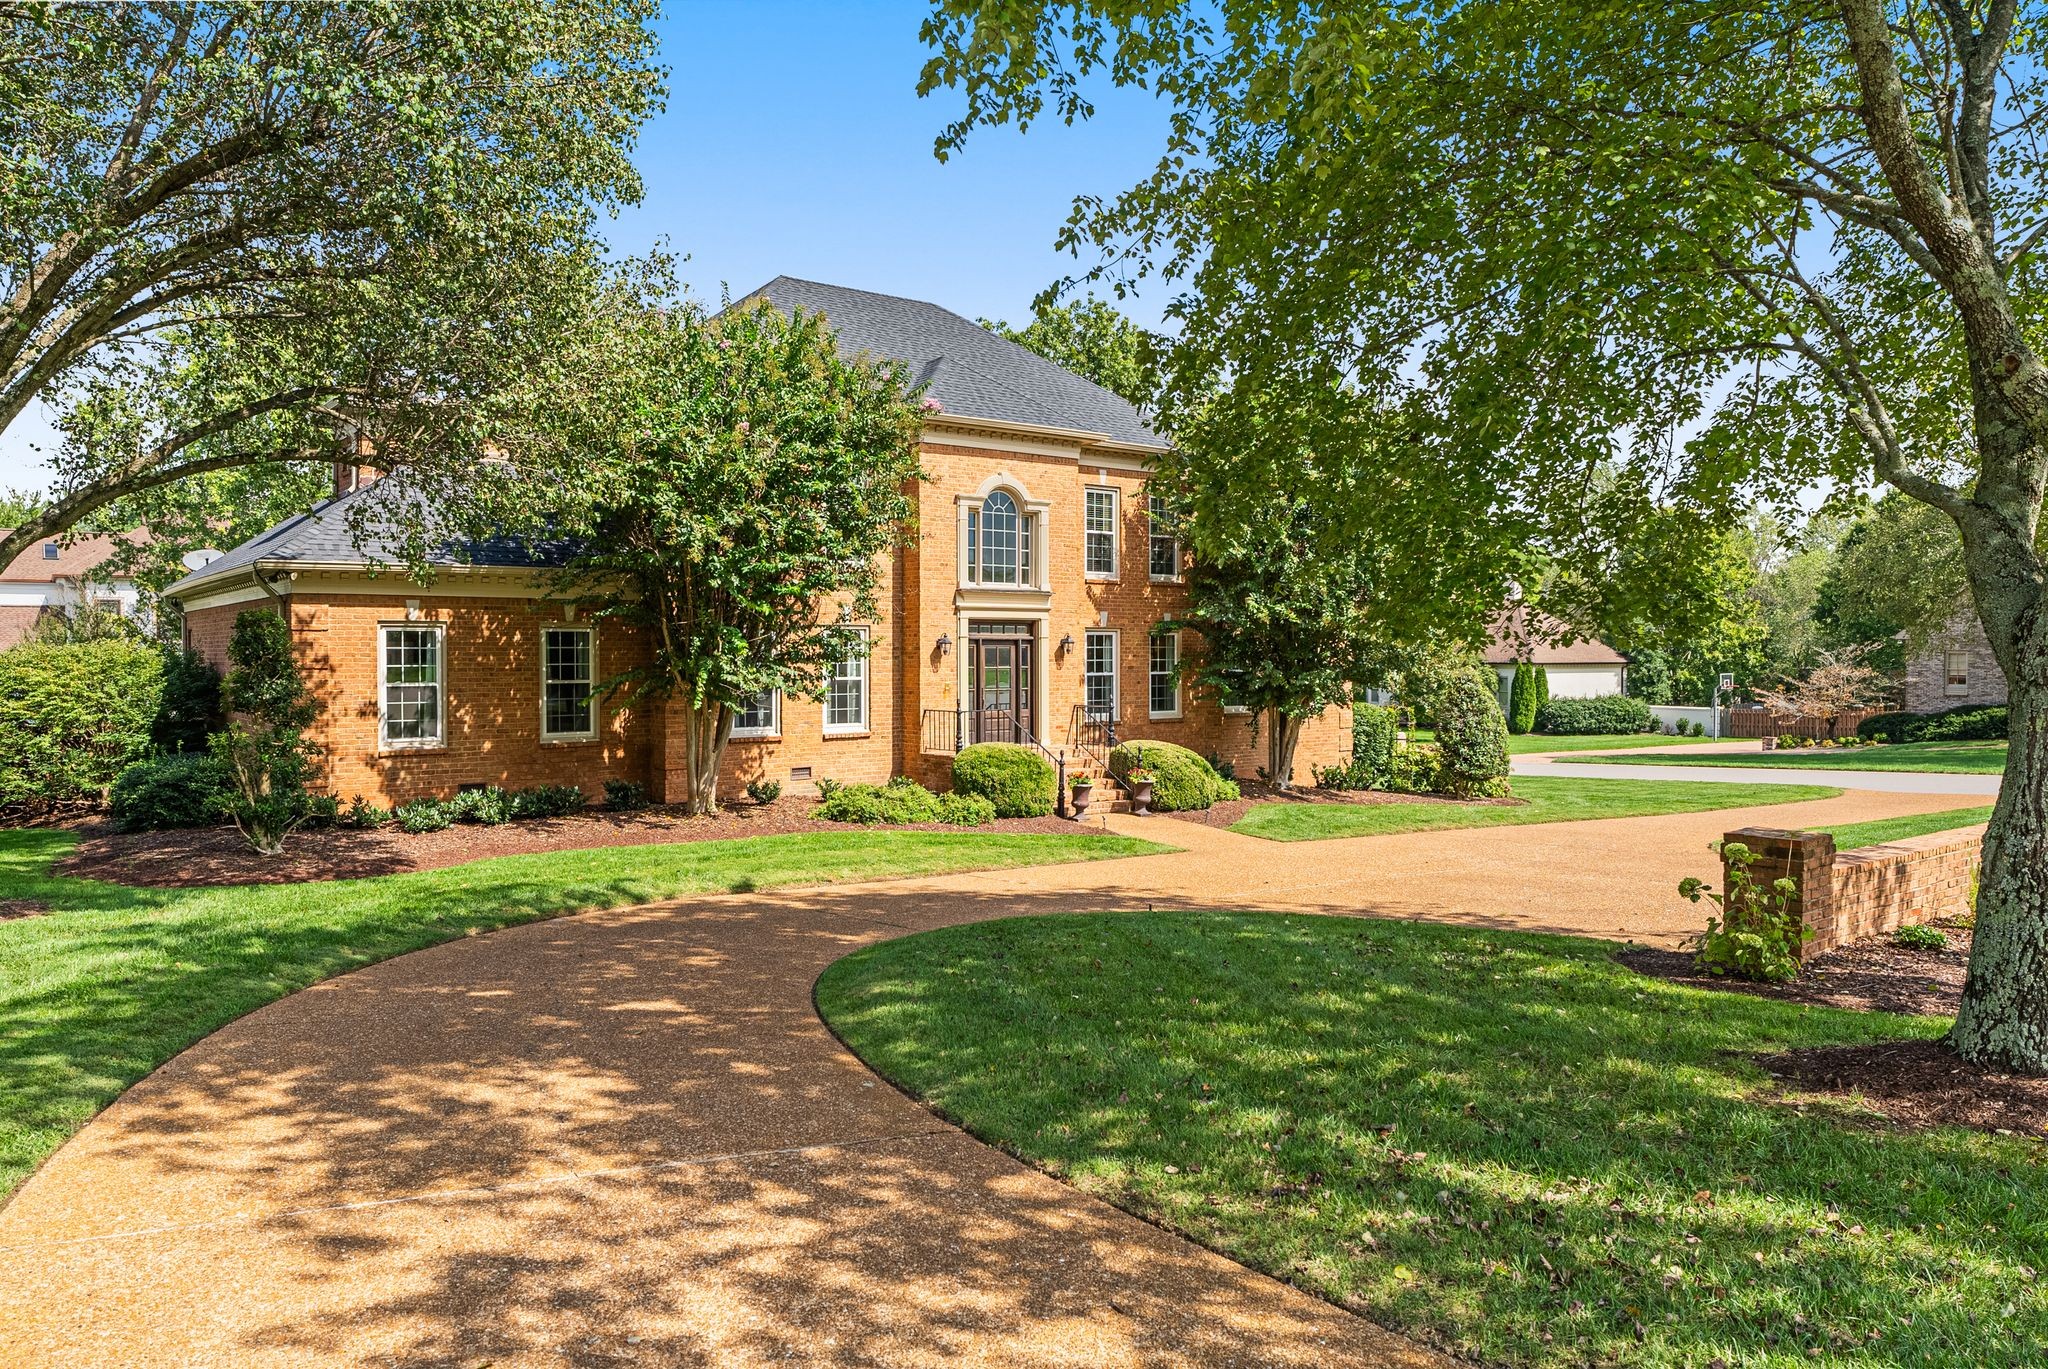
x=625, y=1138
x=1884, y=781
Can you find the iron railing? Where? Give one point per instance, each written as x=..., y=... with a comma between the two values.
x=946, y=731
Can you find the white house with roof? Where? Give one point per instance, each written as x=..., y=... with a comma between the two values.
x=56, y=577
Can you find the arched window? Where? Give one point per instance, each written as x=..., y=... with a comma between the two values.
x=999, y=542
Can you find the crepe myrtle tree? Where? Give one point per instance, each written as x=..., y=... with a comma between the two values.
x=248, y=235
x=1807, y=236
x=737, y=485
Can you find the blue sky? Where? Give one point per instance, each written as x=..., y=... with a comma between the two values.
x=794, y=142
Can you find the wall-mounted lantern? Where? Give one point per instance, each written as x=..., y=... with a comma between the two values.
x=945, y=645
x=1066, y=643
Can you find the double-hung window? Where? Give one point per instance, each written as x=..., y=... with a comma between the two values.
x=410, y=686
x=568, y=678
x=1958, y=670
x=998, y=542
x=1164, y=679
x=1163, y=548
x=846, y=692
x=1099, y=552
x=1098, y=674
x=762, y=716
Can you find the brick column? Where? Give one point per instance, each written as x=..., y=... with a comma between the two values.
x=1807, y=859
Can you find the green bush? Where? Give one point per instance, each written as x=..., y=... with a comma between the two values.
x=488, y=806
x=1968, y=723
x=1759, y=931
x=764, y=791
x=1884, y=727
x=264, y=748
x=188, y=711
x=903, y=800
x=1181, y=780
x=1920, y=938
x=167, y=792
x=1542, y=686
x=364, y=814
x=1472, y=737
x=1522, y=700
x=1615, y=715
x=1017, y=780
x=73, y=717
x=624, y=796
x=1417, y=769
x=1372, y=745
x=547, y=801
x=423, y=815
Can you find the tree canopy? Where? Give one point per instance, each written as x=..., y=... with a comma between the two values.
x=1090, y=337
x=244, y=234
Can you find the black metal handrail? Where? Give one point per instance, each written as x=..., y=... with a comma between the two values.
x=946, y=731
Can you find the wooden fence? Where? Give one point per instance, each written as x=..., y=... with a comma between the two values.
x=1761, y=722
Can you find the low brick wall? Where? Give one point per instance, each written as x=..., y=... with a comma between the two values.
x=1845, y=896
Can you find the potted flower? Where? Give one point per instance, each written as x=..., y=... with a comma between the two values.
x=1139, y=781
x=1084, y=794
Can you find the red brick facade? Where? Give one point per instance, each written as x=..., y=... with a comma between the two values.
x=1845, y=896
x=920, y=652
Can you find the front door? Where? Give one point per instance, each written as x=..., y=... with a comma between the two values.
x=1001, y=678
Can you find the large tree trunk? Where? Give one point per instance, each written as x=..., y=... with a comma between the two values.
x=1282, y=733
x=705, y=734
x=2003, y=1020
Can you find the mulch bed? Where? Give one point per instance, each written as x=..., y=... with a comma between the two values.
x=1912, y=1083
x=12, y=908
x=218, y=856
x=1254, y=793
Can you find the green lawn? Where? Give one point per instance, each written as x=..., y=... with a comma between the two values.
x=1967, y=758
x=1506, y=1143
x=113, y=981
x=1851, y=835
x=1550, y=799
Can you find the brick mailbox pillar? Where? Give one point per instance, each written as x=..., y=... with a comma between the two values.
x=1807, y=859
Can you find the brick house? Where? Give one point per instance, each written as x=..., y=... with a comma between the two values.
x=1026, y=605
x=1954, y=669
x=52, y=577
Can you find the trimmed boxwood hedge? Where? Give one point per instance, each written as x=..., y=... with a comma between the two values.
x=1181, y=780
x=1968, y=723
x=73, y=717
x=1615, y=715
x=1016, y=779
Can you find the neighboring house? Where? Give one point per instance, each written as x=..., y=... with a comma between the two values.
x=1028, y=602
x=1578, y=667
x=1954, y=669
x=51, y=577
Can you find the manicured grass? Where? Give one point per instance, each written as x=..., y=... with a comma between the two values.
x=1851, y=835
x=1963, y=758
x=1506, y=1143
x=1635, y=741
x=113, y=981
x=1550, y=799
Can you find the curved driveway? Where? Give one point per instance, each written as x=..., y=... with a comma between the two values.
x=625, y=1138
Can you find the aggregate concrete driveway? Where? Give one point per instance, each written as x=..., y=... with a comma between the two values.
x=625, y=1138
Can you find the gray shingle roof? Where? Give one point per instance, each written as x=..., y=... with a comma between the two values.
x=970, y=371
x=324, y=536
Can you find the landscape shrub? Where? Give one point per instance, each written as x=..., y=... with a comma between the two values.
x=1614, y=715
x=264, y=748
x=1920, y=938
x=1016, y=779
x=1885, y=727
x=1472, y=740
x=903, y=800
x=1522, y=700
x=1963, y=725
x=1542, y=686
x=1417, y=769
x=188, y=709
x=364, y=814
x=488, y=806
x=764, y=791
x=163, y=793
x=1182, y=781
x=624, y=796
x=547, y=801
x=1759, y=932
x=73, y=717
x=423, y=815
x=1372, y=745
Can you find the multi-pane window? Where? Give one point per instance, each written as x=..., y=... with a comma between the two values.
x=1098, y=674
x=1163, y=551
x=568, y=672
x=1165, y=679
x=846, y=693
x=762, y=717
x=998, y=542
x=1099, y=512
x=1958, y=672
x=410, y=679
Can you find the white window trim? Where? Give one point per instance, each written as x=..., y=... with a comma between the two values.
x=385, y=742
x=867, y=695
x=1948, y=682
x=1116, y=692
x=588, y=734
x=1156, y=579
x=1116, y=550
x=774, y=728
x=1176, y=710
